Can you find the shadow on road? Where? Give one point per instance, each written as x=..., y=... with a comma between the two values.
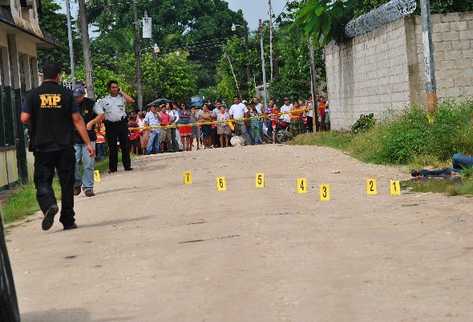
x=115, y=222
x=69, y=315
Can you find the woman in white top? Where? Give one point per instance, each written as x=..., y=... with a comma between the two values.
x=144, y=132
x=223, y=130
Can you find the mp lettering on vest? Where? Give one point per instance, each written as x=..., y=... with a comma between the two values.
x=50, y=100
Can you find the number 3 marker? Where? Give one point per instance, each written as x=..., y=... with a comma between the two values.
x=324, y=192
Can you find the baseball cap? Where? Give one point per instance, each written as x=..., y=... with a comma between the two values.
x=79, y=90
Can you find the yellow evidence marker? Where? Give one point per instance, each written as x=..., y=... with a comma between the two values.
x=260, y=182
x=221, y=184
x=371, y=187
x=97, y=177
x=324, y=192
x=302, y=185
x=187, y=175
x=395, y=188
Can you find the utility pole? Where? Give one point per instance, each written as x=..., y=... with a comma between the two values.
x=313, y=81
x=71, y=46
x=137, y=47
x=271, y=39
x=263, y=64
x=430, y=80
x=84, y=31
x=234, y=76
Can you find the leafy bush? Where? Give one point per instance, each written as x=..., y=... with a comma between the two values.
x=364, y=123
x=412, y=134
x=412, y=137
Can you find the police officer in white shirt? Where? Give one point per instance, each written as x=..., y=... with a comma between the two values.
x=112, y=109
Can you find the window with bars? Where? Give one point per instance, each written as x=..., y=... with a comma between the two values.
x=7, y=119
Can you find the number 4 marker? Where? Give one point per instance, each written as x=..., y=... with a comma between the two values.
x=302, y=185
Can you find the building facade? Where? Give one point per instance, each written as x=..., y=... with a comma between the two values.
x=20, y=38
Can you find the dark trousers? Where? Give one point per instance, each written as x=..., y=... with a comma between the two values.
x=174, y=144
x=310, y=124
x=45, y=165
x=118, y=131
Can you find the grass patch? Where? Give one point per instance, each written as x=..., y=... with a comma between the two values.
x=337, y=140
x=22, y=202
x=450, y=187
x=412, y=138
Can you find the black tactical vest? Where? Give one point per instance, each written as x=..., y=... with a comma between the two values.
x=51, y=122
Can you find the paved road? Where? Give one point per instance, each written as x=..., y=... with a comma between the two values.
x=151, y=249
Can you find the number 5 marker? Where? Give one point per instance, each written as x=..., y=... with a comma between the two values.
x=260, y=181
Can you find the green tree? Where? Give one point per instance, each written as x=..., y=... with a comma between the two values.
x=53, y=22
x=176, y=24
x=101, y=77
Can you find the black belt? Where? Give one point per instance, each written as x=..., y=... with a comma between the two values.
x=115, y=122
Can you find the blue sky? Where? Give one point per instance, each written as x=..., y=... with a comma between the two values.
x=256, y=9
x=252, y=9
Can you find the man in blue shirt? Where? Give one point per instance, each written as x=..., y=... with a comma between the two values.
x=152, y=120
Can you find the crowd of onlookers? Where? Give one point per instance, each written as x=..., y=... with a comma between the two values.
x=173, y=127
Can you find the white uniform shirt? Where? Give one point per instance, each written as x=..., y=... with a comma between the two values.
x=114, y=108
x=238, y=111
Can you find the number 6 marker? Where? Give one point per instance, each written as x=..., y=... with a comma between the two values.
x=221, y=184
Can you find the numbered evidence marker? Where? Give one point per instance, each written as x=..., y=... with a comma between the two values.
x=324, y=192
x=395, y=188
x=302, y=185
x=187, y=177
x=97, y=176
x=371, y=187
x=260, y=181
x=221, y=184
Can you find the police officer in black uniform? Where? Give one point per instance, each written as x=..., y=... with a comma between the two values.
x=52, y=115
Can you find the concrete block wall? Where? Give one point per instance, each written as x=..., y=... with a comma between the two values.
x=368, y=74
x=383, y=71
x=453, y=49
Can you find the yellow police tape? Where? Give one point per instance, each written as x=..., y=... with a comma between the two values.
x=231, y=123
